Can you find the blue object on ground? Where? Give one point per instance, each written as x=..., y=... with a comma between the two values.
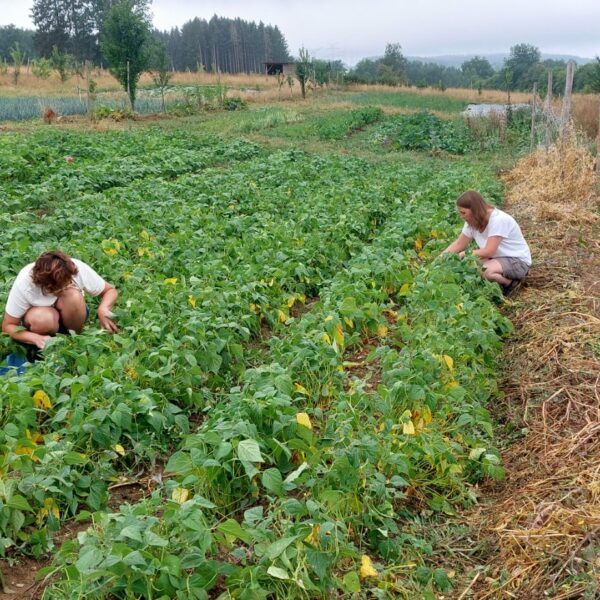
x=14, y=364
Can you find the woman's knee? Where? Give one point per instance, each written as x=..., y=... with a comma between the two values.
x=70, y=298
x=44, y=320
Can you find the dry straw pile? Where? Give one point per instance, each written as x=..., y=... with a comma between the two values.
x=556, y=184
x=545, y=520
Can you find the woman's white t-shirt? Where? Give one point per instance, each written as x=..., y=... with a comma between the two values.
x=512, y=245
x=24, y=294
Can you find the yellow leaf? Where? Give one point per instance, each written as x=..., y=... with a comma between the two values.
x=338, y=335
x=145, y=235
x=110, y=251
x=382, y=331
x=304, y=420
x=50, y=505
x=180, y=495
x=192, y=301
x=404, y=289
x=427, y=416
x=300, y=388
x=419, y=243
x=42, y=400
x=449, y=361
x=366, y=567
x=291, y=301
x=451, y=385
x=281, y=316
x=170, y=281
x=24, y=451
x=35, y=437
x=349, y=322
x=326, y=338
x=254, y=308
x=329, y=318
x=119, y=449
x=408, y=428
x=313, y=536
x=434, y=233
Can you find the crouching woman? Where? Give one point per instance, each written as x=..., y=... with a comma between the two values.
x=47, y=297
x=502, y=249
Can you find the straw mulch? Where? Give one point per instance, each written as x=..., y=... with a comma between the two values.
x=555, y=184
x=542, y=525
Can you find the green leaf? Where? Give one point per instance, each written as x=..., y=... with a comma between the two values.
x=273, y=481
x=154, y=540
x=233, y=528
x=180, y=463
x=278, y=573
x=277, y=548
x=351, y=582
x=89, y=559
x=249, y=451
x=441, y=580
x=132, y=532
x=20, y=503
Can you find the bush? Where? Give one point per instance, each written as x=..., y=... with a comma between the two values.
x=234, y=103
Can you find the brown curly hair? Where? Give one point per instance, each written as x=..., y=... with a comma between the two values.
x=53, y=271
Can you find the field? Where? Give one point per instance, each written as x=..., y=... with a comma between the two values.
x=298, y=399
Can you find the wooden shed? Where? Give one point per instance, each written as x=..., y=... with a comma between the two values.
x=286, y=68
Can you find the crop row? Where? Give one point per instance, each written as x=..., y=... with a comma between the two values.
x=300, y=480
x=200, y=262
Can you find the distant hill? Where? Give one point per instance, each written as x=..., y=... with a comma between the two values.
x=496, y=60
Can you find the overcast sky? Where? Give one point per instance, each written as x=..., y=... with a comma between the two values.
x=351, y=29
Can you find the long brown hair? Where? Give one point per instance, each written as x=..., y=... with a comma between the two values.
x=53, y=271
x=478, y=206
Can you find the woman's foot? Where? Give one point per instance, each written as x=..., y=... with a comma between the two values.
x=508, y=290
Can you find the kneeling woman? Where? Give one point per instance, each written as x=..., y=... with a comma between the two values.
x=502, y=248
x=47, y=297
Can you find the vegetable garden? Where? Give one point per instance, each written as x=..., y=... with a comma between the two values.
x=299, y=381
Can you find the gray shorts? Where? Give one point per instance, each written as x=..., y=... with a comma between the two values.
x=513, y=268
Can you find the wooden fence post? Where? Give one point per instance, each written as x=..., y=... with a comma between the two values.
x=533, y=110
x=598, y=140
x=566, y=107
x=548, y=111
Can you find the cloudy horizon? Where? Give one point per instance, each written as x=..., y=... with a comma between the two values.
x=347, y=30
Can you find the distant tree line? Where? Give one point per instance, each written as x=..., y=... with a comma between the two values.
x=231, y=45
x=521, y=69
x=76, y=27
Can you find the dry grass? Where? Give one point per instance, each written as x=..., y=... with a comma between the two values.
x=543, y=523
x=556, y=184
x=586, y=110
x=32, y=86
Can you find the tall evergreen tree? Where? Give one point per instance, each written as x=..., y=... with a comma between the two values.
x=11, y=35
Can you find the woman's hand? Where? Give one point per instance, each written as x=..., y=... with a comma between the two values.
x=106, y=322
x=462, y=254
x=39, y=340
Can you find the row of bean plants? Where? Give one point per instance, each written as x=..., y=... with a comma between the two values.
x=287, y=475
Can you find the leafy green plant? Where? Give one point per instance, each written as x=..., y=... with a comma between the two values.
x=425, y=132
